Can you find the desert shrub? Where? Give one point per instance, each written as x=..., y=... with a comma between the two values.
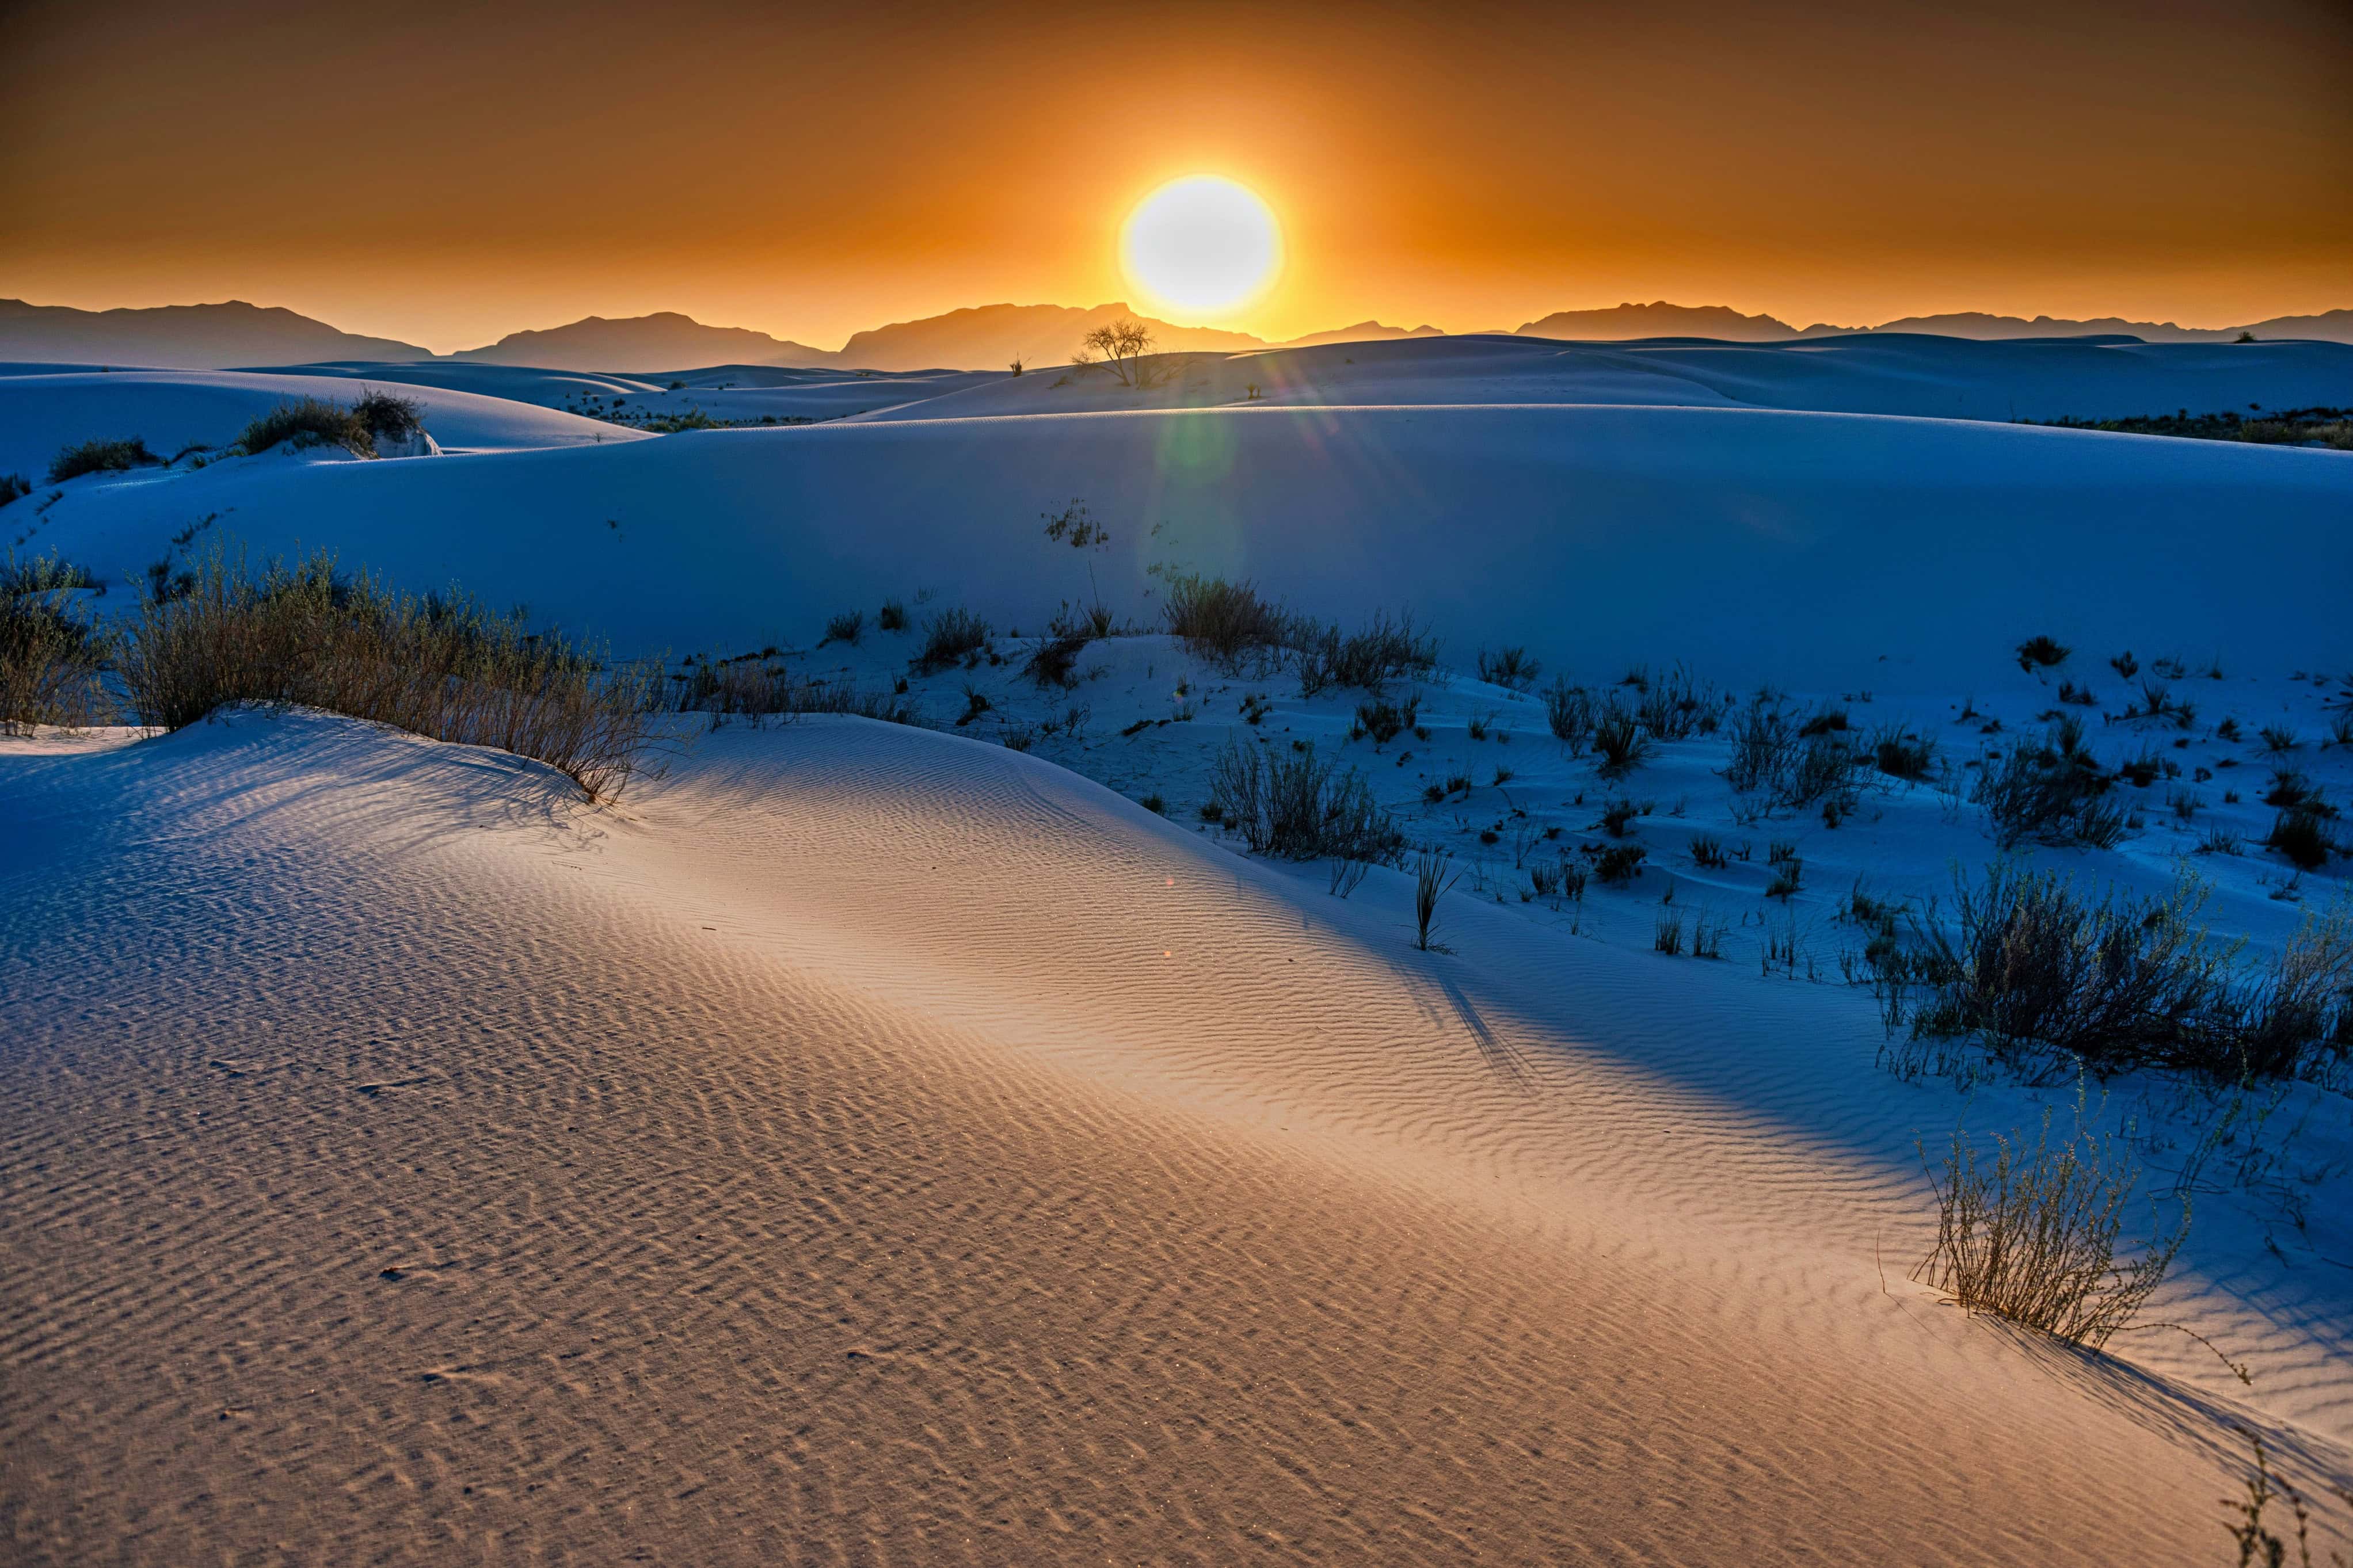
x=1383, y=719
x=2039, y=652
x=2303, y=836
x=1055, y=660
x=2049, y=980
x=950, y=637
x=2032, y=1234
x=310, y=422
x=1511, y=667
x=1382, y=650
x=2290, y=788
x=2279, y=738
x=1673, y=706
x=13, y=486
x=1083, y=621
x=1297, y=807
x=1707, y=850
x=1222, y=621
x=1903, y=755
x=892, y=617
x=439, y=665
x=1667, y=933
x=2051, y=794
x=53, y=656
x=1619, y=863
x=1569, y=710
x=2081, y=696
x=387, y=416
x=848, y=626
x=101, y=456
x=1781, y=762
x=1618, y=737
x=760, y=686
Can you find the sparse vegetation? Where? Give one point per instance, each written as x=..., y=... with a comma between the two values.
x=953, y=636
x=1055, y=661
x=1298, y=808
x=101, y=457
x=1433, y=877
x=2053, y=794
x=1384, y=649
x=13, y=486
x=439, y=665
x=892, y=617
x=1618, y=737
x=1510, y=667
x=53, y=656
x=2032, y=1234
x=1223, y=621
x=1569, y=710
x=760, y=686
x=2041, y=652
x=848, y=626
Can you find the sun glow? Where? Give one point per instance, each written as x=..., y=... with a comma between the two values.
x=1203, y=244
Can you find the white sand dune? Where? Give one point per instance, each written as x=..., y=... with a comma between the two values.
x=169, y=410
x=1806, y=548
x=869, y=1146
x=728, y=392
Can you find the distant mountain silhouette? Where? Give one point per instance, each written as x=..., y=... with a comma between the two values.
x=989, y=337
x=183, y=337
x=663, y=340
x=1362, y=332
x=1661, y=319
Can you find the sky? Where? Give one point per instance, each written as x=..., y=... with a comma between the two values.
x=446, y=174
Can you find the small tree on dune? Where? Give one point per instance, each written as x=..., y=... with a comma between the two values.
x=1119, y=346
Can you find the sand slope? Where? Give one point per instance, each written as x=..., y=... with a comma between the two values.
x=870, y=1146
x=1810, y=549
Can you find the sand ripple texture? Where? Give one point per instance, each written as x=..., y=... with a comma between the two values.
x=867, y=1146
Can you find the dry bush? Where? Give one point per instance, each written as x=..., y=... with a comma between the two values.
x=2053, y=794
x=952, y=637
x=53, y=656
x=310, y=422
x=2032, y=1234
x=1055, y=660
x=1674, y=705
x=759, y=687
x=1619, y=741
x=101, y=457
x=2050, y=981
x=1381, y=652
x=1509, y=667
x=14, y=487
x=2302, y=836
x=2039, y=652
x=1297, y=808
x=1904, y=753
x=1222, y=621
x=1569, y=710
x=848, y=626
x=441, y=667
x=387, y=416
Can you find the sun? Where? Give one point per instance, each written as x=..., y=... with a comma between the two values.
x=1203, y=244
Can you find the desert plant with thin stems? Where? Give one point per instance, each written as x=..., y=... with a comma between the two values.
x=1569, y=712
x=1221, y=620
x=1618, y=740
x=1382, y=650
x=892, y=617
x=2030, y=1234
x=952, y=637
x=99, y=456
x=1511, y=667
x=53, y=654
x=848, y=626
x=1299, y=807
x=439, y=665
x=1433, y=875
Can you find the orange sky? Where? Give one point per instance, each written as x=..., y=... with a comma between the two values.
x=445, y=174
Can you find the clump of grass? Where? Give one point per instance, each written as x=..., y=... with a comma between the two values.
x=1617, y=738
x=1382, y=650
x=1569, y=711
x=1433, y=877
x=1619, y=863
x=1297, y=807
x=1903, y=754
x=1384, y=720
x=952, y=637
x=53, y=656
x=437, y=666
x=310, y=422
x=101, y=457
x=1707, y=850
x=2042, y=652
x=1054, y=662
x=1510, y=667
x=1223, y=621
x=2032, y=1234
x=2279, y=738
x=2303, y=836
x=1674, y=705
x=13, y=486
x=848, y=626
x=892, y=617
x=760, y=686
x=389, y=417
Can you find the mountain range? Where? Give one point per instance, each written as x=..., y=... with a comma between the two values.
x=985, y=337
